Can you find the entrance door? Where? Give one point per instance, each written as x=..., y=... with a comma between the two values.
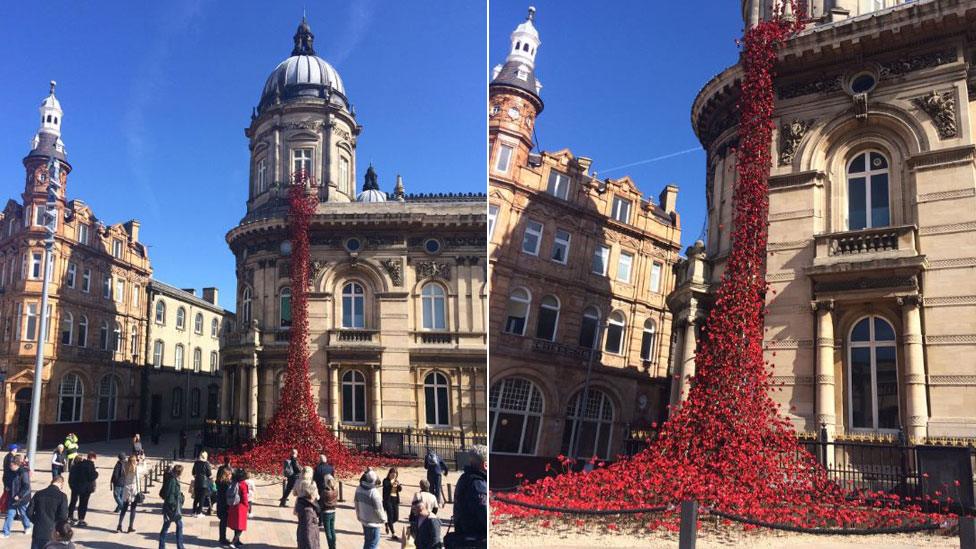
x=23, y=401
x=156, y=410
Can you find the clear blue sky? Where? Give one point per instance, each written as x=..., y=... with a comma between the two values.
x=618, y=81
x=157, y=95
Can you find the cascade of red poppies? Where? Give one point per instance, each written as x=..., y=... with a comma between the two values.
x=728, y=446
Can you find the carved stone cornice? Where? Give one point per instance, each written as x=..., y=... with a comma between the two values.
x=941, y=107
x=910, y=300
x=431, y=269
x=899, y=282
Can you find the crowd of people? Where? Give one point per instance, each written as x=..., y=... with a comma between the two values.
x=49, y=516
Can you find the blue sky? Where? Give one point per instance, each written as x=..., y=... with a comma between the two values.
x=157, y=95
x=618, y=81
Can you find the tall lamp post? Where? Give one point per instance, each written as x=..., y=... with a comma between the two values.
x=581, y=405
x=50, y=225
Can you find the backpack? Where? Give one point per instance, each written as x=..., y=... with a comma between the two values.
x=289, y=470
x=233, y=494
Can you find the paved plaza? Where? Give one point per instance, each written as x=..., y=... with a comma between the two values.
x=270, y=527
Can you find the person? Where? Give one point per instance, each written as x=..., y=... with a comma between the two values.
x=391, y=501
x=130, y=492
x=328, y=496
x=427, y=532
x=322, y=469
x=70, y=447
x=20, y=496
x=57, y=462
x=201, y=485
x=369, y=509
x=81, y=480
x=47, y=508
x=425, y=496
x=252, y=494
x=117, y=481
x=292, y=471
x=172, y=506
x=137, y=445
x=182, y=443
x=8, y=473
x=307, y=511
x=471, y=498
x=198, y=444
x=436, y=469
x=62, y=536
x=225, y=466
x=238, y=502
x=223, y=483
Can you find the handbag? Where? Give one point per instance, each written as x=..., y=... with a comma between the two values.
x=140, y=498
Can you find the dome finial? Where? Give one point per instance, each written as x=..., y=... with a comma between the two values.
x=372, y=181
x=303, y=39
x=531, y=16
x=53, y=84
x=399, y=192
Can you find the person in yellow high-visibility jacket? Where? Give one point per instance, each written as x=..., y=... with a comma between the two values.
x=70, y=447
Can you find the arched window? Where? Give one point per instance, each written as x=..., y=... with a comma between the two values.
x=647, y=340
x=434, y=307
x=590, y=328
x=595, y=421
x=67, y=328
x=198, y=323
x=867, y=191
x=353, y=305
x=83, y=331
x=548, y=318
x=117, y=338
x=176, y=409
x=213, y=361
x=197, y=360
x=195, y=402
x=615, y=333
x=160, y=312
x=158, y=353
x=214, y=327
x=70, y=395
x=436, y=400
x=103, y=335
x=133, y=339
x=515, y=408
x=284, y=309
x=246, y=307
x=178, y=357
x=181, y=319
x=353, y=397
x=108, y=393
x=873, y=375
x=518, y=311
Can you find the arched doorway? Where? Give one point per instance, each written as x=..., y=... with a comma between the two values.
x=22, y=399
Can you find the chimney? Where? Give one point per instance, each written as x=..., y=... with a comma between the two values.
x=668, y=199
x=191, y=291
x=210, y=295
x=132, y=227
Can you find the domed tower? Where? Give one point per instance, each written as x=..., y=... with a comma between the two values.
x=513, y=98
x=303, y=122
x=45, y=145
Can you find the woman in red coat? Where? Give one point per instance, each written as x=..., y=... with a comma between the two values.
x=238, y=505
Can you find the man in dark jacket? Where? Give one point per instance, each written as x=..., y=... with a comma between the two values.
x=322, y=470
x=471, y=502
x=20, y=495
x=428, y=527
x=118, y=482
x=292, y=472
x=82, y=484
x=436, y=469
x=48, y=507
x=7, y=471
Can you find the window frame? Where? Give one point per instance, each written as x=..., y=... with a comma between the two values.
x=353, y=293
x=629, y=267
x=77, y=397
x=198, y=323
x=621, y=322
x=358, y=395
x=495, y=410
x=541, y=316
x=505, y=152
x=526, y=303
x=492, y=219
x=656, y=269
x=872, y=344
x=434, y=382
x=299, y=162
x=603, y=251
x=433, y=299
x=112, y=397
x=619, y=210
x=867, y=175
x=535, y=229
x=558, y=184
x=179, y=357
x=561, y=244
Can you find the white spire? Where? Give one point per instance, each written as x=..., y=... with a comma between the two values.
x=51, y=114
x=525, y=41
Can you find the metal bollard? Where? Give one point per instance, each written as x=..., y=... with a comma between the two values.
x=450, y=494
x=689, y=525
x=967, y=533
x=341, y=498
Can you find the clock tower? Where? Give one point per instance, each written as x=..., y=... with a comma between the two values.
x=46, y=146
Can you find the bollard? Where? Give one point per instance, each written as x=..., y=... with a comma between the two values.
x=340, y=493
x=450, y=494
x=689, y=525
x=967, y=533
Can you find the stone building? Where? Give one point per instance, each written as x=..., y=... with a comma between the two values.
x=871, y=322
x=181, y=387
x=576, y=262
x=96, y=307
x=397, y=298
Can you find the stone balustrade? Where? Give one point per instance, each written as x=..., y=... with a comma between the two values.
x=863, y=242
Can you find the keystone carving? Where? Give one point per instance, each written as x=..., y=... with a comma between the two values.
x=791, y=134
x=395, y=269
x=942, y=108
x=430, y=269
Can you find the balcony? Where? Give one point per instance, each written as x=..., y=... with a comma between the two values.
x=354, y=338
x=868, y=262
x=866, y=245
x=434, y=338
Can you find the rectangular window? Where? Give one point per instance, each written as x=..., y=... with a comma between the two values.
x=504, y=158
x=624, y=263
x=107, y=287
x=492, y=217
x=301, y=161
x=30, y=326
x=39, y=215
x=558, y=184
x=532, y=237
x=601, y=258
x=119, y=291
x=560, y=246
x=158, y=354
x=20, y=318
x=621, y=209
x=82, y=233
x=262, y=175
x=656, y=277
x=343, y=172
x=72, y=274
x=117, y=248
x=35, y=266
x=86, y=280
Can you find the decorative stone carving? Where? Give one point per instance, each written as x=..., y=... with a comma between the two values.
x=430, y=269
x=315, y=269
x=395, y=269
x=910, y=301
x=860, y=105
x=905, y=65
x=907, y=282
x=303, y=125
x=942, y=108
x=790, y=136
x=824, y=84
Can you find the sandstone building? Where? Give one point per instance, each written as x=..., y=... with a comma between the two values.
x=576, y=262
x=397, y=298
x=871, y=322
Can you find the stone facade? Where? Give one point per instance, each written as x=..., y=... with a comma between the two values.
x=574, y=261
x=871, y=320
x=181, y=387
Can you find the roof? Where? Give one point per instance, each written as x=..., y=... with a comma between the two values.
x=509, y=76
x=172, y=291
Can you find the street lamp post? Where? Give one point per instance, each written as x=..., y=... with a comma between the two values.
x=597, y=333
x=51, y=225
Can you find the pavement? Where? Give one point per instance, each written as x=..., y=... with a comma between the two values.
x=270, y=527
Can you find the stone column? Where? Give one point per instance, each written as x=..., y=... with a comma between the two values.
x=334, y=395
x=675, y=359
x=687, y=366
x=377, y=420
x=224, y=394
x=252, y=407
x=825, y=404
x=917, y=402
